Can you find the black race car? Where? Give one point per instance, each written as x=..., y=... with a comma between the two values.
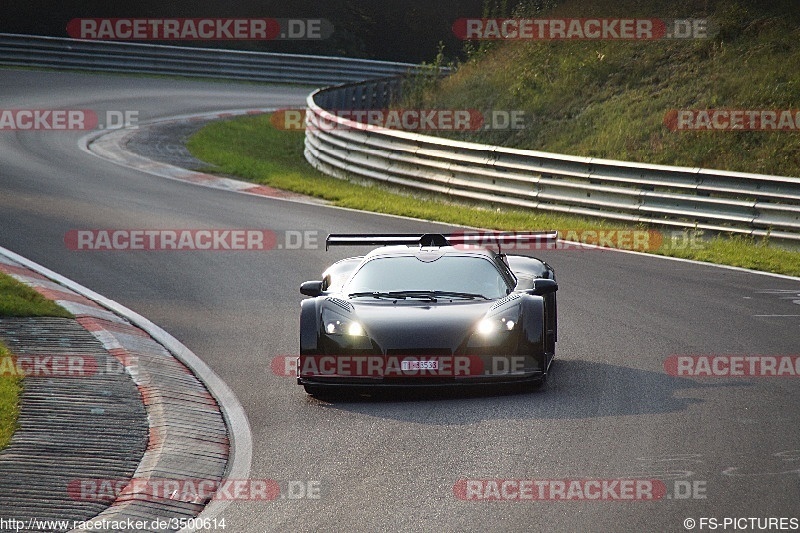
x=429, y=310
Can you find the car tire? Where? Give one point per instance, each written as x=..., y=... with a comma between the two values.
x=320, y=393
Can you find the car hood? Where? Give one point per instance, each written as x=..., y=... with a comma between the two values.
x=417, y=326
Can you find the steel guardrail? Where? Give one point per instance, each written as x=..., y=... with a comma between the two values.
x=112, y=56
x=677, y=197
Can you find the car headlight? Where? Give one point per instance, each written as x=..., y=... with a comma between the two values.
x=494, y=331
x=488, y=327
x=336, y=324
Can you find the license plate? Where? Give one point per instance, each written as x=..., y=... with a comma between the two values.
x=420, y=365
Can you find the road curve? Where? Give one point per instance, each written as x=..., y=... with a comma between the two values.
x=609, y=411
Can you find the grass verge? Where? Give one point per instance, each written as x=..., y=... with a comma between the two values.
x=252, y=149
x=17, y=300
x=10, y=389
x=612, y=99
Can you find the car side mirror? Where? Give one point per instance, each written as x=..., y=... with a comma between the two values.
x=311, y=288
x=542, y=286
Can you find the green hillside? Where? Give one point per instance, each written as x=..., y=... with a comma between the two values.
x=609, y=99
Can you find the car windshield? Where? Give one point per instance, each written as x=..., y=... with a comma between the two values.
x=453, y=274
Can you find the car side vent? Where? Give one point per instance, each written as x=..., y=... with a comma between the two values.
x=341, y=303
x=502, y=301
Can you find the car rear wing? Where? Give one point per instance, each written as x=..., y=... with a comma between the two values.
x=531, y=240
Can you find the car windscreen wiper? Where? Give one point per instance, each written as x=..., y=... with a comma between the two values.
x=427, y=295
x=433, y=295
x=377, y=294
x=467, y=295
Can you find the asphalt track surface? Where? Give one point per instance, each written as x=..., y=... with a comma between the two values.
x=609, y=410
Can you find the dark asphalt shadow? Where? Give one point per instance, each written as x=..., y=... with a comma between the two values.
x=574, y=390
